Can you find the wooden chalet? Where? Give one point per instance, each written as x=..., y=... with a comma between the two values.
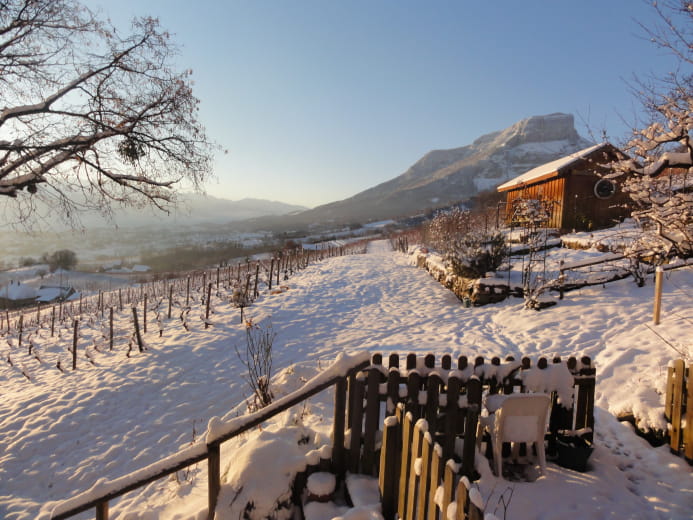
x=573, y=189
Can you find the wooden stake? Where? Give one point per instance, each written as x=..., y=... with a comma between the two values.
x=137, y=330
x=110, y=341
x=658, y=294
x=257, y=275
x=270, y=273
x=74, y=346
x=209, y=293
x=21, y=328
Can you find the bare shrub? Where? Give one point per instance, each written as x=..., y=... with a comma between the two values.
x=257, y=358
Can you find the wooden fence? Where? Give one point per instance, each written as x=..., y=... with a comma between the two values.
x=211, y=452
x=678, y=409
x=448, y=399
x=413, y=468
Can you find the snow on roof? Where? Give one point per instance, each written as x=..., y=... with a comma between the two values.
x=49, y=293
x=549, y=167
x=17, y=291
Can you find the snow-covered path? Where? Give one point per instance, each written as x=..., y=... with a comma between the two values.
x=62, y=431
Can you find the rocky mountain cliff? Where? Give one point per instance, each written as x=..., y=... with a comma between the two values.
x=444, y=177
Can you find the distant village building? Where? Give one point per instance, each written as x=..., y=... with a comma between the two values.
x=577, y=194
x=17, y=294
x=54, y=293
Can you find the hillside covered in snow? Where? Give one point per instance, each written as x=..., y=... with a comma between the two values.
x=122, y=409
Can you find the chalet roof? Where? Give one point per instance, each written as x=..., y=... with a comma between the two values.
x=17, y=291
x=550, y=168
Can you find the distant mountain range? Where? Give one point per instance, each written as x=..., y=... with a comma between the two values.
x=193, y=210
x=444, y=177
x=440, y=178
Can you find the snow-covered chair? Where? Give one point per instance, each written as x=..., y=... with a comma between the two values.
x=519, y=418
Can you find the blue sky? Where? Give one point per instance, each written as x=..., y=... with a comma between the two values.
x=317, y=100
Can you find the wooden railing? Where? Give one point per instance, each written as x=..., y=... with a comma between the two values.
x=678, y=408
x=98, y=497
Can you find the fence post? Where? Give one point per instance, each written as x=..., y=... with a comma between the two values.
x=170, y=300
x=676, y=403
x=387, y=481
x=425, y=478
x=688, y=430
x=470, y=424
x=338, y=427
x=213, y=477
x=356, y=391
x=413, y=478
x=658, y=294
x=405, y=463
x=102, y=511
x=371, y=422
x=435, y=475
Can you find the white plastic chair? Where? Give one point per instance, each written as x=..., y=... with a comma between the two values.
x=520, y=418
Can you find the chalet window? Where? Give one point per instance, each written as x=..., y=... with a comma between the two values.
x=604, y=188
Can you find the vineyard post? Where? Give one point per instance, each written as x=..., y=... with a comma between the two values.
x=144, y=315
x=53, y=321
x=80, y=304
x=137, y=330
x=74, y=346
x=38, y=314
x=209, y=294
x=120, y=299
x=187, y=294
x=218, y=270
x=278, y=269
x=21, y=328
x=270, y=273
x=247, y=285
x=7, y=318
x=170, y=299
x=257, y=275
x=110, y=320
x=60, y=311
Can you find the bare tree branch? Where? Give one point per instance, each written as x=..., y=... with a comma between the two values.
x=90, y=116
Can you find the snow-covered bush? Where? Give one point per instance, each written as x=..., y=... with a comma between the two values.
x=658, y=173
x=469, y=250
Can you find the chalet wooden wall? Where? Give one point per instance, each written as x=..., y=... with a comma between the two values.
x=572, y=190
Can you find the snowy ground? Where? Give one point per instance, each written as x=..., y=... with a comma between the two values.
x=63, y=431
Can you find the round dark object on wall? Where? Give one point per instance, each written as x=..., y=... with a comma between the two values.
x=604, y=188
